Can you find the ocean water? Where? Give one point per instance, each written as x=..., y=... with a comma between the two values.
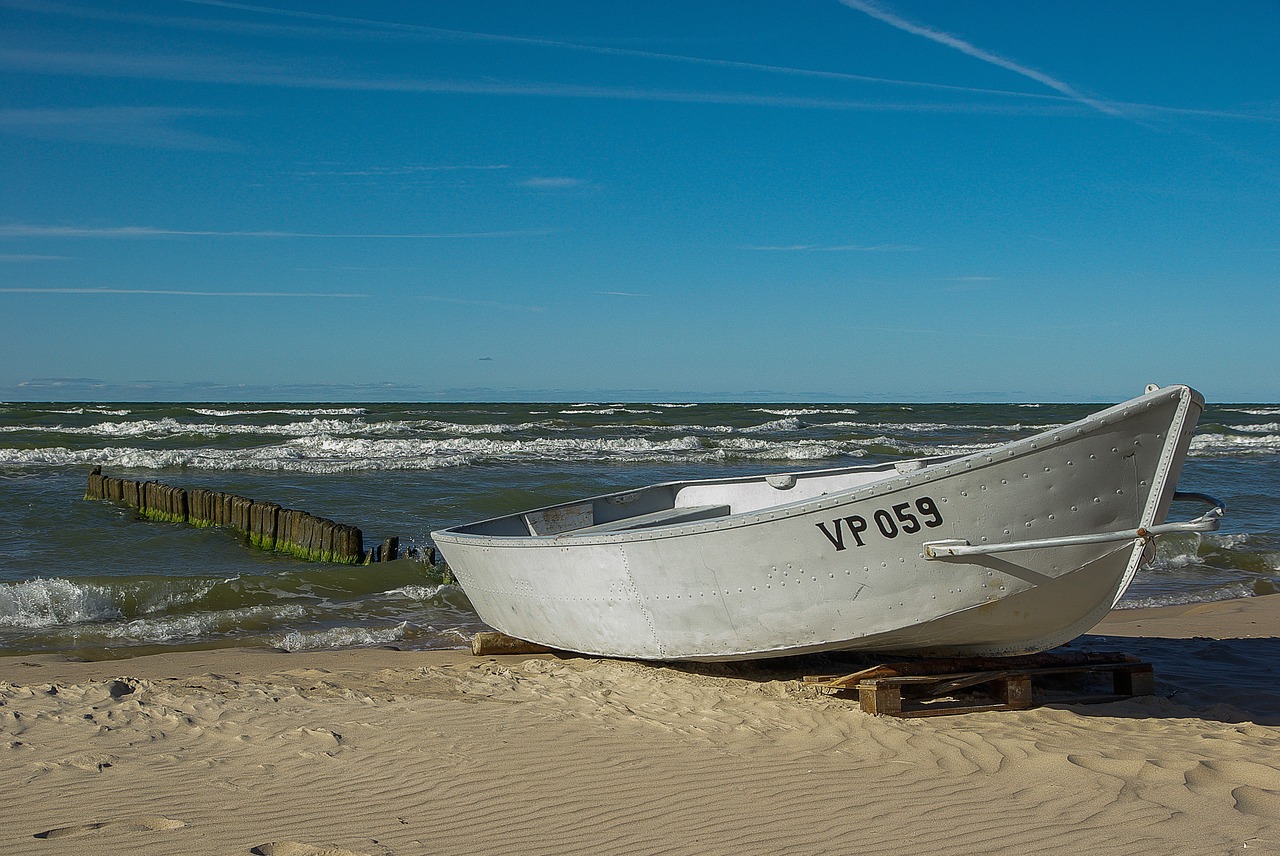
x=94, y=580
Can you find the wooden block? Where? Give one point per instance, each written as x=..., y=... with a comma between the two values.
x=1014, y=691
x=1134, y=680
x=492, y=642
x=882, y=698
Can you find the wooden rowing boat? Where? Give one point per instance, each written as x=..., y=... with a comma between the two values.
x=1007, y=551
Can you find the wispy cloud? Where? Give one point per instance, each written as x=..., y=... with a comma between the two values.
x=622, y=294
x=147, y=127
x=171, y=292
x=955, y=42
x=1066, y=100
x=398, y=170
x=20, y=230
x=29, y=257
x=383, y=29
x=551, y=182
x=213, y=69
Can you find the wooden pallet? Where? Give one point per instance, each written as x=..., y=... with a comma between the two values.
x=1009, y=685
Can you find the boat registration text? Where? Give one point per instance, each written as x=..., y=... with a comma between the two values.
x=903, y=518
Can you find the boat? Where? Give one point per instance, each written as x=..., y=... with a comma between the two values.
x=1006, y=551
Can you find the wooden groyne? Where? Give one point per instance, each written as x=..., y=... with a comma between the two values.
x=267, y=525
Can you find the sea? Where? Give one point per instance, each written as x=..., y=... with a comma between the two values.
x=92, y=579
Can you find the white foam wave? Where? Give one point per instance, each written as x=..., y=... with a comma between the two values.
x=807, y=411
x=486, y=428
x=1227, y=592
x=44, y=602
x=340, y=637
x=80, y=411
x=416, y=592
x=330, y=454
x=1227, y=540
x=1261, y=411
x=1264, y=428
x=49, y=602
x=1235, y=444
x=800, y=450
x=790, y=423
x=1175, y=561
x=925, y=427
x=316, y=411
x=606, y=411
x=170, y=427
x=201, y=625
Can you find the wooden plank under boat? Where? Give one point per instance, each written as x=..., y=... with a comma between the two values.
x=1007, y=551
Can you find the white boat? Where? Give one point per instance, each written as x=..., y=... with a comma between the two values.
x=1011, y=550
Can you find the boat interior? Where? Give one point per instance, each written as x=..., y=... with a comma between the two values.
x=676, y=503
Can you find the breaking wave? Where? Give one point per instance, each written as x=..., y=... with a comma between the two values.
x=313, y=411
x=340, y=637
x=1234, y=444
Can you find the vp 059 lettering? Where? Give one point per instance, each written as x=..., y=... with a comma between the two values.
x=889, y=523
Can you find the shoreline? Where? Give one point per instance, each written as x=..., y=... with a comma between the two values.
x=379, y=751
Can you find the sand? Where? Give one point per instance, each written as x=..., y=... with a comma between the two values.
x=379, y=751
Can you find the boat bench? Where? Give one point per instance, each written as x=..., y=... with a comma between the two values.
x=665, y=517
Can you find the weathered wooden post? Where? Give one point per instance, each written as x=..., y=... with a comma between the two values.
x=306, y=534
x=195, y=506
x=270, y=521
x=327, y=529
x=354, y=545
x=287, y=538
x=94, y=489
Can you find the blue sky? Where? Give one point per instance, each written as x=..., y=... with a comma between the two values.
x=824, y=199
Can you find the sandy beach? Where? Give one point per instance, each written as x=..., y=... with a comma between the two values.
x=378, y=751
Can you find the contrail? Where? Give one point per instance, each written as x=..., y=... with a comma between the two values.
x=869, y=8
x=440, y=32
x=175, y=293
x=18, y=230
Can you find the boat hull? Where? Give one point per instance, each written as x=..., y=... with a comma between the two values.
x=846, y=569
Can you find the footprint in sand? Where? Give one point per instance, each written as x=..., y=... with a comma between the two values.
x=293, y=848
x=132, y=824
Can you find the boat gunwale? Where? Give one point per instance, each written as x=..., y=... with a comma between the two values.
x=942, y=467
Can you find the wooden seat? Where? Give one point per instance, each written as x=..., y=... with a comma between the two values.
x=664, y=517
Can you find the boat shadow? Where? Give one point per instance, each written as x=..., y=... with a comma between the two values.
x=1221, y=680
